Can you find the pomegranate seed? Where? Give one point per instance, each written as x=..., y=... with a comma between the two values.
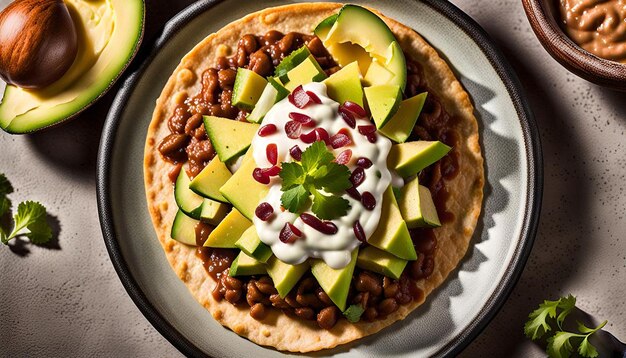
x=368, y=200
x=267, y=130
x=322, y=135
x=355, y=108
x=354, y=193
x=314, y=97
x=308, y=138
x=303, y=119
x=272, y=172
x=289, y=233
x=368, y=129
x=296, y=153
x=371, y=137
x=347, y=116
x=271, y=151
x=325, y=227
x=341, y=139
x=358, y=231
x=364, y=162
x=293, y=129
x=299, y=97
x=264, y=211
x=344, y=157
x=259, y=175
x=357, y=177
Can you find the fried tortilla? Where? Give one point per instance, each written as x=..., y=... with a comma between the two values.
x=278, y=330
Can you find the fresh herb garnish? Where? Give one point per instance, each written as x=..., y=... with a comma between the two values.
x=561, y=343
x=315, y=172
x=29, y=221
x=353, y=313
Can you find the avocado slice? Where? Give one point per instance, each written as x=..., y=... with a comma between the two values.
x=417, y=206
x=285, y=276
x=379, y=261
x=290, y=62
x=247, y=88
x=273, y=93
x=306, y=72
x=194, y=205
x=336, y=283
x=242, y=190
x=91, y=74
x=229, y=137
x=410, y=158
x=228, y=231
x=184, y=229
x=400, y=126
x=345, y=85
x=244, y=265
x=251, y=244
x=392, y=234
x=211, y=179
x=322, y=29
x=383, y=101
x=377, y=74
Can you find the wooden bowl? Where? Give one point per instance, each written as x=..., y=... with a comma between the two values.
x=543, y=15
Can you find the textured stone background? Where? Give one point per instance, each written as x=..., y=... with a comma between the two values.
x=66, y=300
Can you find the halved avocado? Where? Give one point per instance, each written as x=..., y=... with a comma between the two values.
x=97, y=66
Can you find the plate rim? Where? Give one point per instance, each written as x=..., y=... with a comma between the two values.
x=532, y=148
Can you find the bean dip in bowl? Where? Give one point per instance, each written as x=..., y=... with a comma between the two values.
x=588, y=37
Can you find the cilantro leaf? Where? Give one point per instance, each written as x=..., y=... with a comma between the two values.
x=336, y=178
x=315, y=156
x=294, y=199
x=537, y=325
x=567, y=304
x=586, y=349
x=329, y=207
x=30, y=221
x=559, y=345
x=292, y=174
x=353, y=313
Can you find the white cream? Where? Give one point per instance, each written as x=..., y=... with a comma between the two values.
x=333, y=249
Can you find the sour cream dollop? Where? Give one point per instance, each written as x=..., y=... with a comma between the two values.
x=334, y=249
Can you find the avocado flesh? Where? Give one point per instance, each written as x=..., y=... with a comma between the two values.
x=273, y=93
x=383, y=101
x=345, y=85
x=285, y=276
x=417, y=206
x=242, y=190
x=307, y=71
x=184, y=229
x=244, y=265
x=247, y=88
x=410, y=158
x=335, y=282
x=392, y=234
x=211, y=179
x=251, y=244
x=229, y=137
x=229, y=230
x=379, y=261
x=290, y=62
x=93, y=72
x=322, y=29
x=400, y=126
x=213, y=211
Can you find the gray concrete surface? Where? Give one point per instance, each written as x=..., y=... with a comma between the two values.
x=66, y=300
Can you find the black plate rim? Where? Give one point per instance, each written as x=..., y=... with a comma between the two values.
x=533, y=198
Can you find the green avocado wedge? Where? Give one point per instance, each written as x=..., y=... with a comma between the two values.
x=335, y=282
x=229, y=137
x=285, y=276
x=400, y=126
x=345, y=85
x=244, y=265
x=229, y=230
x=307, y=71
x=322, y=29
x=195, y=206
x=379, y=261
x=417, y=206
x=247, y=89
x=251, y=244
x=383, y=101
x=410, y=158
x=211, y=179
x=89, y=77
x=184, y=229
x=242, y=190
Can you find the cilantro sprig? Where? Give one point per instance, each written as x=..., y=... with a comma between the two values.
x=29, y=220
x=561, y=344
x=316, y=176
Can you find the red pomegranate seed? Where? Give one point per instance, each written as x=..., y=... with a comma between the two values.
x=322, y=135
x=271, y=151
x=296, y=153
x=299, y=97
x=308, y=138
x=368, y=200
x=264, y=211
x=259, y=175
x=344, y=157
x=355, y=108
x=325, y=227
x=289, y=233
x=368, y=129
x=354, y=193
x=364, y=162
x=314, y=97
x=267, y=130
x=347, y=117
x=358, y=231
x=272, y=171
x=357, y=177
x=303, y=119
x=371, y=137
x=341, y=139
x=293, y=129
